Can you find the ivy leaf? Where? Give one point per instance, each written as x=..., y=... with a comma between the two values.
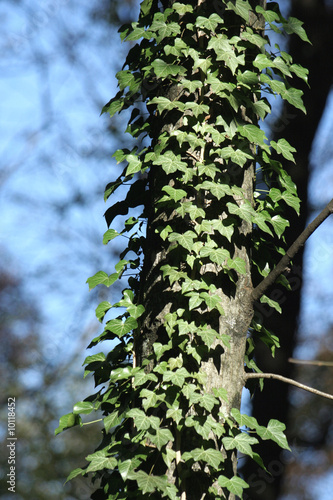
x=142, y=377
x=75, y=473
x=147, y=483
x=294, y=25
x=164, y=104
x=244, y=420
x=142, y=421
x=218, y=190
x=244, y=211
x=241, y=442
x=181, y=8
x=272, y=303
x=291, y=200
x=67, y=421
x=238, y=264
x=164, y=70
x=217, y=255
x=161, y=437
x=241, y=7
x=109, y=235
x=235, y=485
x=175, y=414
x=175, y=194
x=102, y=309
x=212, y=301
x=208, y=335
x=236, y=155
x=274, y=431
x=279, y=224
x=99, y=461
x=224, y=51
x=177, y=377
x=127, y=466
x=283, y=147
x=112, y=420
x=85, y=407
x=210, y=456
x=208, y=401
x=253, y=134
x=170, y=163
x=185, y=240
x=209, y=23
x=101, y=278
x=121, y=328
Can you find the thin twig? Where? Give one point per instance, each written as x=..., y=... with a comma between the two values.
x=289, y=381
x=310, y=362
x=291, y=252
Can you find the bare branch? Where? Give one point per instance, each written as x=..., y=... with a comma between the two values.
x=310, y=362
x=291, y=252
x=289, y=381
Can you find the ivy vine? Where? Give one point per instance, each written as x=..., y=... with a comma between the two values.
x=198, y=80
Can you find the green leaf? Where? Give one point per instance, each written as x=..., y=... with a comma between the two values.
x=121, y=328
x=218, y=190
x=127, y=466
x=150, y=398
x=208, y=401
x=294, y=25
x=243, y=419
x=235, y=485
x=170, y=162
x=67, y=421
x=181, y=8
x=101, y=278
x=224, y=51
x=99, y=461
x=102, y=309
x=99, y=357
x=75, y=473
x=112, y=420
x=241, y=442
x=217, y=255
x=164, y=104
x=238, y=264
x=175, y=414
x=274, y=431
x=161, y=437
x=177, y=377
x=185, y=240
x=175, y=194
x=142, y=421
x=272, y=303
x=279, y=224
x=283, y=147
x=241, y=7
x=210, y=456
x=164, y=70
x=109, y=235
x=254, y=134
x=142, y=377
x=85, y=407
x=244, y=211
x=209, y=23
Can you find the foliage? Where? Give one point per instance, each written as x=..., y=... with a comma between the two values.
x=198, y=82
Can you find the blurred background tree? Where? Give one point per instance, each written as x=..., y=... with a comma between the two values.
x=58, y=61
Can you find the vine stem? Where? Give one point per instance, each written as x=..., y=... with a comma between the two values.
x=291, y=252
x=289, y=381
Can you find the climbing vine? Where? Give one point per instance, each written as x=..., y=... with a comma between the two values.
x=200, y=237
